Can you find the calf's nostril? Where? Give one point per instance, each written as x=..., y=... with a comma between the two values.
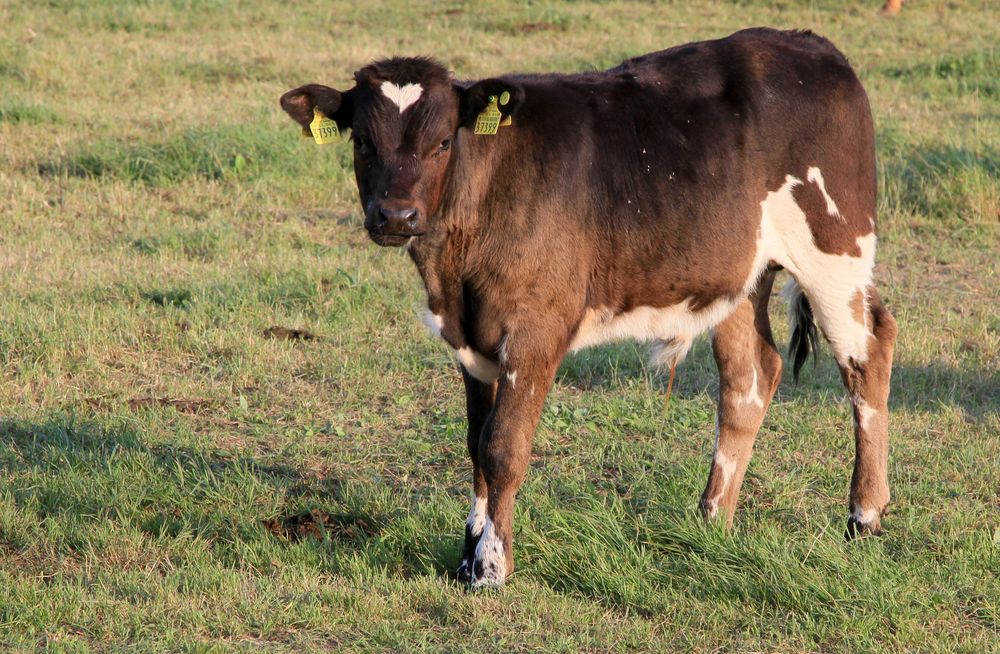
x=397, y=221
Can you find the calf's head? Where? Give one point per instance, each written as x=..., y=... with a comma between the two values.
x=405, y=115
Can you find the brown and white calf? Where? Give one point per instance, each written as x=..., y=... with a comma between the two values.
x=653, y=201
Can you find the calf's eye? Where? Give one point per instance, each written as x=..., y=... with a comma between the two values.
x=445, y=144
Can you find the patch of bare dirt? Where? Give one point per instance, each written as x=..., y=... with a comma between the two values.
x=191, y=406
x=316, y=524
x=287, y=334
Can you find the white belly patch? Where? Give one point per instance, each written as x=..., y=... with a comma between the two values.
x=674, y=327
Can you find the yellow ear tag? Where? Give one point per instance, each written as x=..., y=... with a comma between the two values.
x=323, y=129
x=504, y=99
x=488, y=121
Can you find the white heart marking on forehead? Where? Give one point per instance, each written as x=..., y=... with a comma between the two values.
x=402, y=96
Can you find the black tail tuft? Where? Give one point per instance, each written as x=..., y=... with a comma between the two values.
x=803, y=332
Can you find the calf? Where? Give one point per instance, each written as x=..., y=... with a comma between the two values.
x=654, y=201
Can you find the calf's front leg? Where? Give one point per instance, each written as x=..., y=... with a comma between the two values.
x=504, y=451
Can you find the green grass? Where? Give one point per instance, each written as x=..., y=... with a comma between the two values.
x=173, y=478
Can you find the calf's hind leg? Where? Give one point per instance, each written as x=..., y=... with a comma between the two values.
x=867, y=382
x=862, y=333
x=749, y=372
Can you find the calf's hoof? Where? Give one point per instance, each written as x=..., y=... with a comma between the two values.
x=480, y=575
x=863, y=523
x=485, y=564
x=488, y=576
x=464, y=574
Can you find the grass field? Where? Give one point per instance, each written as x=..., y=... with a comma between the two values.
x=173, y=478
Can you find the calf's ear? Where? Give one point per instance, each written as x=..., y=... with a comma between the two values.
x=298, y=103
x=472, y=99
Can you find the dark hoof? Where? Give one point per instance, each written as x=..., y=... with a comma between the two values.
x=464, y=573
x=857, y=529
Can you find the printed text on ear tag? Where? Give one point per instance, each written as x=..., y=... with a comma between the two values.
x=323, y=129
x=488, y=120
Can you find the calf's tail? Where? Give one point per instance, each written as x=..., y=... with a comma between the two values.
x=802, y=326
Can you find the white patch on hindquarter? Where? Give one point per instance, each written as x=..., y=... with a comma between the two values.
x=512, y=378
x=402, y=96
x=433, y=322
x=816, y=177
x=477, y=516
x=477, y=365
x=489, y=553
x=830, y=281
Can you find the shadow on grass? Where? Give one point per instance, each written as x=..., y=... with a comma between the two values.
x=66, y=478
x=921, y=388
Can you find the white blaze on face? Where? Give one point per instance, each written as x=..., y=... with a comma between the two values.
x=402, y=96
x=489, y=554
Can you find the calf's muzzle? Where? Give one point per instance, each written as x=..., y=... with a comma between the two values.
x=392, y=222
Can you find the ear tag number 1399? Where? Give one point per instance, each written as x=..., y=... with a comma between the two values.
x=322, y=129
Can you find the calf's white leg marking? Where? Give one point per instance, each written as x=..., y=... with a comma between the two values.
x=489, y=554
x=727, y=466
x=502, y=350
x=864, y=516
x=477, y=516
x=865, y=412
x=752, y=396
x=402, y=96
